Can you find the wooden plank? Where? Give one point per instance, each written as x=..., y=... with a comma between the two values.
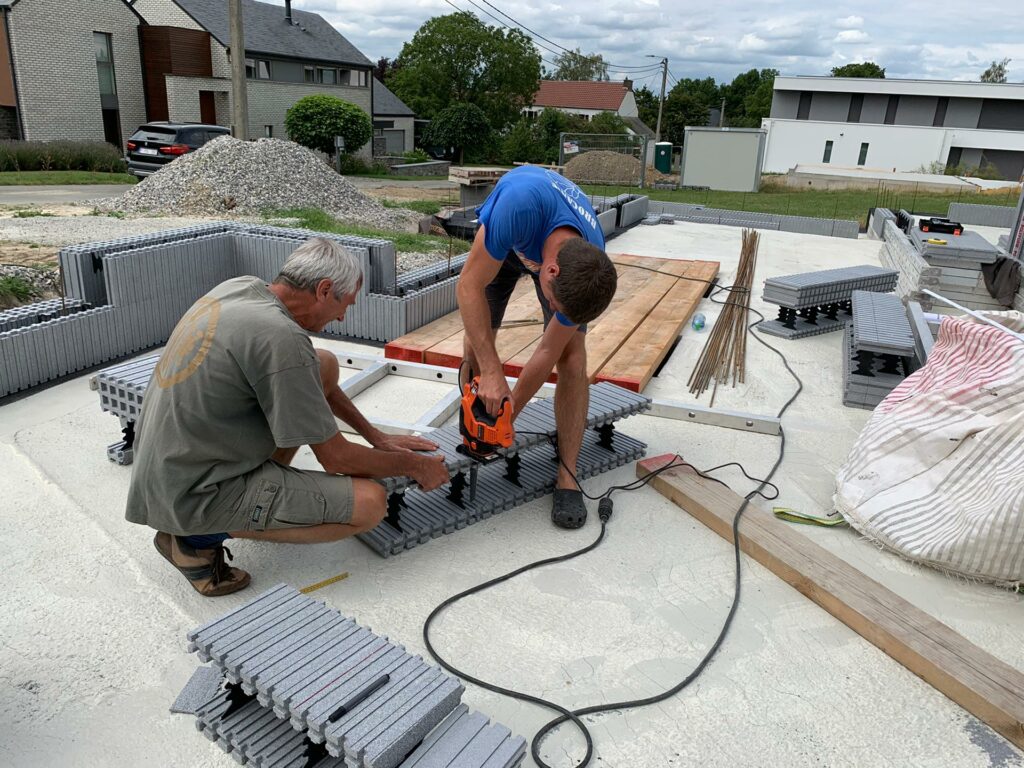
x=412, y=346
x=634, y=364
x=522, y=305
x=988, y=688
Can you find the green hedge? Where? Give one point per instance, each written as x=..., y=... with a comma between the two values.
x=95, y=156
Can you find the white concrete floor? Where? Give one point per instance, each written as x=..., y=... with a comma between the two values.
x=92, y=636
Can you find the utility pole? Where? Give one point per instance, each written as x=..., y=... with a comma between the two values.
x=721, y=115
x=661, y=101
x=239, y=99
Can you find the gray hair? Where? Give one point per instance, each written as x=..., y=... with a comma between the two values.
x=317, y=259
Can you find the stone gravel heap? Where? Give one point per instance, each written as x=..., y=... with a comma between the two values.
x=229, y=176
x=603, y=167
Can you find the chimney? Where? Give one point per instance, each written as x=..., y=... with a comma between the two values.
x=627, y=84
x=288, y=11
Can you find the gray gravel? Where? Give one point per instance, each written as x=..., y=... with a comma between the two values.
x=70, y=230
x=251, y=177
x=44, y=281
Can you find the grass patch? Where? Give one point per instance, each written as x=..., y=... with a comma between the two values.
x=51, y=178
x=405, y=242
x=15, y=290
x=821, y=204
x=426, y=207
x=29, y=214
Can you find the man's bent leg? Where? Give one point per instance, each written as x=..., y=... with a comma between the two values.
x=369, y=508
x=571, y=401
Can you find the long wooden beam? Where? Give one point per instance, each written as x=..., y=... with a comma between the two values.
x=988, y=688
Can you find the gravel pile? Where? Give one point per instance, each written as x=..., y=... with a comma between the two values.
x=600, y=167
x=44, y=282
x=229, y=176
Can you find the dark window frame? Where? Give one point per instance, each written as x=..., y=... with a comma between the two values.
x=108, y=39
x=890, y=110
x=803, y=110
x=940, y=112
x=826, y=156
x=863, y=157
x=856, y=105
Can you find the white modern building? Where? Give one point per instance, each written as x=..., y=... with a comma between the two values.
x=895, y=125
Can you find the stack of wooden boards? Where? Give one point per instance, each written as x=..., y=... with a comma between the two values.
x=306, y=687
x=625, y=345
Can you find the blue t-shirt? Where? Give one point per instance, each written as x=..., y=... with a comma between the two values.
x=526, y=206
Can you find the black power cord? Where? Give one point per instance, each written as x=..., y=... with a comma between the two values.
x=604, y=514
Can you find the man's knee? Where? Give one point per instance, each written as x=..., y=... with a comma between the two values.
x=370, y=504
x=329, y=369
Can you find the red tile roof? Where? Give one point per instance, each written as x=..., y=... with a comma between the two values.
x=577, y=94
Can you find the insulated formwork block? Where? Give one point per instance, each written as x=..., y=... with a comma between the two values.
x=632, y=211
x=966, y=247
x=810, y=289
x=468, y=738
x=880, y=324
x=983, y=215
x=608, y=220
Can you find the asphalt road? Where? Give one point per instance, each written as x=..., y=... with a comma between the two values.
x=51, y=195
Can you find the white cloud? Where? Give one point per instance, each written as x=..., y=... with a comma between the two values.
x=852, y=36
x=850, y=22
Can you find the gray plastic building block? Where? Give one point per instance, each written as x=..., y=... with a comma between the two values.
x=923, y=338
x=982, y=215
x=880, y=324
x=801, y=328
x=204, y=685
x=468, y=738
x=810, y=289
x=966, y=247
x=607, y=219
x=869, y=378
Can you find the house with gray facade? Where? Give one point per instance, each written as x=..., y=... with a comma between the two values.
x=289, y=54
x=393, y=122
x=70, y=70
x=896, y=125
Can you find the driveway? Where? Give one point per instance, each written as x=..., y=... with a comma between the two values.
x=64, y=193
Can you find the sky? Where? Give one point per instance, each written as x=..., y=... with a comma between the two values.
x=930, y=40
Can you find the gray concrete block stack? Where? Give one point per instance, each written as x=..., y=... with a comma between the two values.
x=306, y=686
x=880, y=349
x=812, y=303
x=952, y=268
x=702, y=214
x=140, y=286
x=983, y=215
x=38, y=312
x=524, y=472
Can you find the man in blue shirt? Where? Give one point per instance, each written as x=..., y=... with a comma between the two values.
x=538, y=223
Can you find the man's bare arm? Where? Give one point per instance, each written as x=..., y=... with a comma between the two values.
x=342, y=457
x=343, y=408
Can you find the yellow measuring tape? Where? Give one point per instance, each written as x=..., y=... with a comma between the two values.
x=324, y=583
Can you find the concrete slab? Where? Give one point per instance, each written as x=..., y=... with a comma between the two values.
x=93, y=637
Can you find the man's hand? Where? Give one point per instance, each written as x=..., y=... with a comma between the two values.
x=385, y=442
x=429, y=472
x=493, y=390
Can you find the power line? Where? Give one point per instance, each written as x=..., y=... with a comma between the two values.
x=503, y=24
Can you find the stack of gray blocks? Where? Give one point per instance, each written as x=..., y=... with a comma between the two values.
x=291, y=662
x=416, y=516
x=983, y=215
x=783, y=223
x=40, y=311
x=952, y=270
x=876, y=226
x=879, y=349
x=810, y=302
x=140, y=287
x=628, y=209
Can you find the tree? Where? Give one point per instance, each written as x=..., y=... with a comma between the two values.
x=458, y=59
x=384, y=68
x=313, y=121
x=996, y=73
x=752, y=89
x=576, y=65
x=603, y=122
x=863, y=69
x=646, y=105
x=681, y=110
x=706, y=91
x=457, y=126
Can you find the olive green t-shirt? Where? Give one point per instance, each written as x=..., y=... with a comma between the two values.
x=238, y=378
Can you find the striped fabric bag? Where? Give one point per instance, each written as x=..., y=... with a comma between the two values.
x=937, y=475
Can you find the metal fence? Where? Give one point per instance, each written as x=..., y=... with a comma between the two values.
x=622, y=161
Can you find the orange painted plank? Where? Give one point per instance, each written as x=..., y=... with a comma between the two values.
x=413, y=345
x=634, y=364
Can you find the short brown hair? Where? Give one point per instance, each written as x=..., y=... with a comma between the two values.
x=586, y=280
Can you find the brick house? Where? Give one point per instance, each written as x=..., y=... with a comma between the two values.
x=70, y=75
x=289, y=54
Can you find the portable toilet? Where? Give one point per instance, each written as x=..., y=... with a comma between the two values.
x=663, y=157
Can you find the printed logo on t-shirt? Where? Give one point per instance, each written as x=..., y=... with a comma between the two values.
x=188, y=345
x=571, y=194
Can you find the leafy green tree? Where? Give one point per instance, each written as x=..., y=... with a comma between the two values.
x=752, y=89
x=646, y=105
x=523, y=144
x=603, y=122
x=458, y=126
x=456, y=58
x=996, y=73
x=576, y=65
x=313, y=121
x=862, y=69
x=681, y=110
x=706, y=91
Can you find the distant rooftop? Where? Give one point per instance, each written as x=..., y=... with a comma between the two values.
x=580, y=94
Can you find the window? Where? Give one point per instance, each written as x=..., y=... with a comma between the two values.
x=863, y=154
x=268, y=131
x=309, y=74
x=827, y=157
x=890, y=110
x=804, y=110
x=105, y=63
x=940, y=112
x=326, y=76
x=361, y=78
x=856, y=104
x=257, y=69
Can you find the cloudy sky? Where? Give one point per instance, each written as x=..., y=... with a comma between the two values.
x=933, y=40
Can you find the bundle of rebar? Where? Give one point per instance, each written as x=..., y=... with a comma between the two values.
x=724, y=357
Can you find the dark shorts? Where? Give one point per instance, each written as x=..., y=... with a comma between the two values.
x=279, y=496
x=500, y=289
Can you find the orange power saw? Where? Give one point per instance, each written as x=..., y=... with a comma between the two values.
x=483, y=434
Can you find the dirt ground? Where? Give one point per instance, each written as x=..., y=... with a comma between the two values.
x=28, y=255
x=404, y=194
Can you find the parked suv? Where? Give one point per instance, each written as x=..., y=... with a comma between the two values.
x=154, y=145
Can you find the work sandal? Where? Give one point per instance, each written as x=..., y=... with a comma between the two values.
x=204, y=569
x=568, y=509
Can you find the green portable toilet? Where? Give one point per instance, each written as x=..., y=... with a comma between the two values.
x=663, y=157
